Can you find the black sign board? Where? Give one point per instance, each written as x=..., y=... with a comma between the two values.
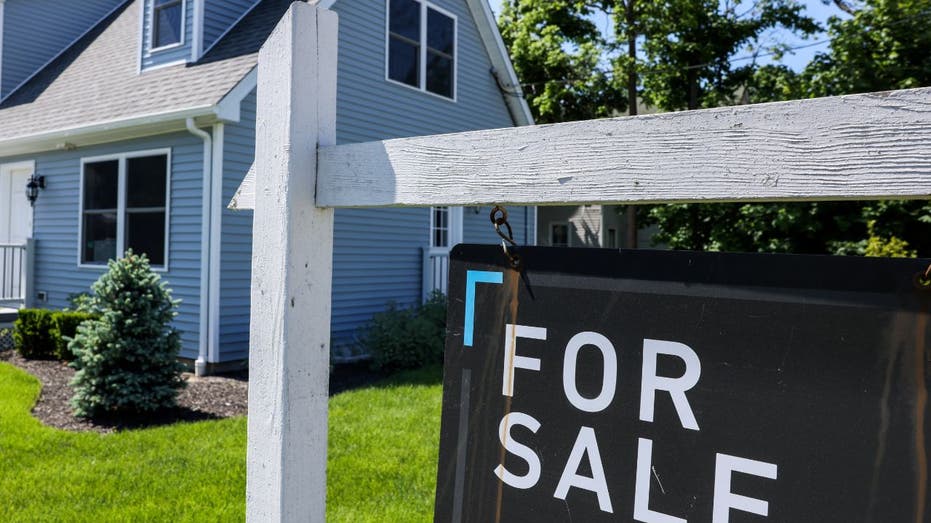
x=673, y=387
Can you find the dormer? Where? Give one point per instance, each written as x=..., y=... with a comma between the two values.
x=33, y=32
x=181, y=31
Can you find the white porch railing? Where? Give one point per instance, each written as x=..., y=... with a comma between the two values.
x=16, y=270
x=435, y=271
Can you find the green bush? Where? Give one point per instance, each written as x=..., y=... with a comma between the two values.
x=411, y=338
x=127, y=358
x=64, y=327
x=32, y=336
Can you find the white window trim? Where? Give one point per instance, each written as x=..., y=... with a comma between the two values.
x=454, y=227
x=121, y=205
x=152, y=48
x=433, y=227
x=422, y=74
x=549, y=233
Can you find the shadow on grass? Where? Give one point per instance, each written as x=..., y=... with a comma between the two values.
x=121, y=422
x=350, y=376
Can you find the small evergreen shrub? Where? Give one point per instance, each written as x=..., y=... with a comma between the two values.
x=411, y=338
x=64, y=327
x=127, y=358
x=32, y=336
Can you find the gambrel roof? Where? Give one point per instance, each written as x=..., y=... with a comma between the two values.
x=95, y=86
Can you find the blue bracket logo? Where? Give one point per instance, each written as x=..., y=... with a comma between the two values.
x=473, y=278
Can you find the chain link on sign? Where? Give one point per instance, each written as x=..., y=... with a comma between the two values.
x=499, y=218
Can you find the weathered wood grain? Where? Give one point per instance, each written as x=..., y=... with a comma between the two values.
x=292, y=267
x=851, y=147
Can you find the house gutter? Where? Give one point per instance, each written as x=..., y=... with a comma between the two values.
x=200, y=365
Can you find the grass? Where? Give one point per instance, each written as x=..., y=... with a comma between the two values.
x=382, y=461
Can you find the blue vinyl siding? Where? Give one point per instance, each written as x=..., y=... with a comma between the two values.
x=220, y=15
x=377, y=252
x=35, y=31
x=169, y=55
x=56, y=222
x=236, y=246
x=477, y=228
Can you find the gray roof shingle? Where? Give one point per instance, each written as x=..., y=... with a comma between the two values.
x=97, y=79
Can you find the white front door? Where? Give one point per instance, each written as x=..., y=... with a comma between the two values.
x=15, y=229
x=15, y=211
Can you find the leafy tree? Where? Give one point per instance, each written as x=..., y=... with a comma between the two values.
x=690, y=44
x=127, y=358
x=557, y=52
x=883, y=46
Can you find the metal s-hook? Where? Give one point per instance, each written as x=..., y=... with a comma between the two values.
x=499, y=218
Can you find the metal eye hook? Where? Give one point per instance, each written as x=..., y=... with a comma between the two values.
x=499, y=217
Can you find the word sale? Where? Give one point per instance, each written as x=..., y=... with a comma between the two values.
x=586, y=444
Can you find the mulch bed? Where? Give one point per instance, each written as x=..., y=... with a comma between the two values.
x=210, y=397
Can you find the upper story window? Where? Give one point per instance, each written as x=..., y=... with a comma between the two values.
x=167, y=23
x=124, y=205
x=422, y=47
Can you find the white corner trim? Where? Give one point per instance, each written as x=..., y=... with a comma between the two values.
x=228, y=108
x=197, y=30
x=141, y=36
x=498, y=53
x=228, y=29
x=216, y=226
x=59, y=53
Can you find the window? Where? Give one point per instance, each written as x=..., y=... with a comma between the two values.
x=124, y=205
x=167, y=23
x=422, y=47
x=611, y=238
x=559, y=234
x=439, y=227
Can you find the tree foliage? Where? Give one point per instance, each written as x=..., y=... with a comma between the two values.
x=685, y=59
x=883, y=46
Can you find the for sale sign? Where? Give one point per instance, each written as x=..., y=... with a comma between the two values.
x=674, y=387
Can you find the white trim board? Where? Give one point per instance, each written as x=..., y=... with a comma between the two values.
x=216, y=228
x=228, y=109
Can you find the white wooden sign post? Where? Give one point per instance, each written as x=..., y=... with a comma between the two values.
x=868, y=146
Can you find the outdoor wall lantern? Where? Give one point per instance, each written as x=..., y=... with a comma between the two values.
x=32, y=188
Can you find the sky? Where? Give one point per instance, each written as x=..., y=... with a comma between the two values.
x=795, y=59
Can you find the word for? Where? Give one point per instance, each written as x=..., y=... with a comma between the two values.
x=586, y=443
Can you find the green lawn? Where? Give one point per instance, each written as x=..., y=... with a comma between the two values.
x=382, y=462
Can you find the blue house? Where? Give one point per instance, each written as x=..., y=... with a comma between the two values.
x=133, y=122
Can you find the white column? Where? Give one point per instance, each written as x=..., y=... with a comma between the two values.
x=291, y=272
